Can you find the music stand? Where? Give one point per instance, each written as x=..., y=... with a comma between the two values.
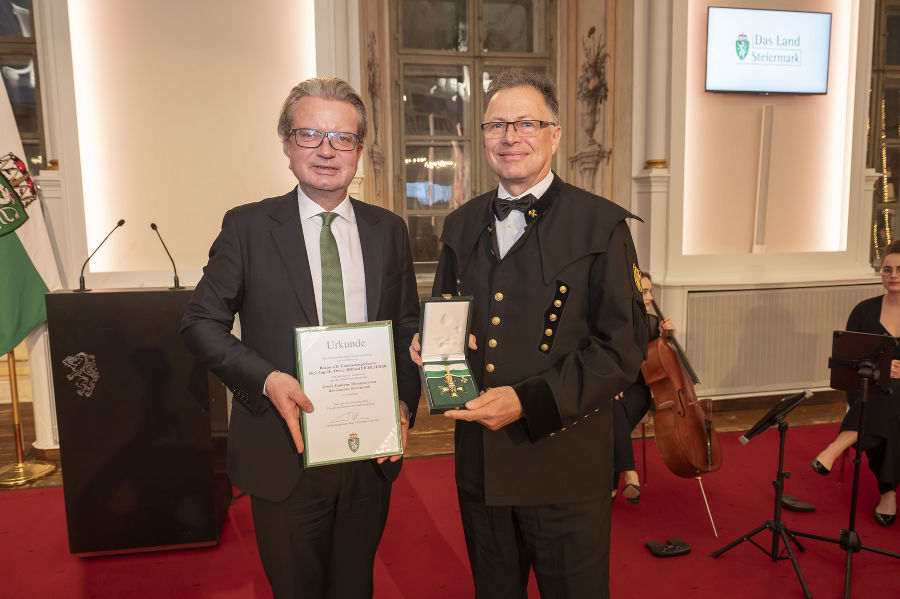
x=780, y=532
x=859, y=362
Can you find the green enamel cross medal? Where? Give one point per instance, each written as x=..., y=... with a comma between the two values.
x=450, y=385
x=452, y=388
x=446, y=377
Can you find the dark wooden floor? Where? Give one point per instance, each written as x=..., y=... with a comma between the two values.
x=433, y=435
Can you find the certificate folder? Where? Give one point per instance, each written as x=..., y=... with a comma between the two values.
x=446, y=375
x=349, y=375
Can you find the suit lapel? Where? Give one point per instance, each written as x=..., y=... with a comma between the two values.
x=371, y=243
x=287, y=233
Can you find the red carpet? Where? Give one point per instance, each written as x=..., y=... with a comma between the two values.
x=423, y=554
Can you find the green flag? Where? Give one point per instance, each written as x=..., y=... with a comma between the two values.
x=28, y=267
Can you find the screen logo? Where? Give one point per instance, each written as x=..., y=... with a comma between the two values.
x=742, y=46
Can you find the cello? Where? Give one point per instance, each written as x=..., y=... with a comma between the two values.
x=684, y=434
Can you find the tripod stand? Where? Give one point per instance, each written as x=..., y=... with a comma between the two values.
x=870, y=371
x=780, y=532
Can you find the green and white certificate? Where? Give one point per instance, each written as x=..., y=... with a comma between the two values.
x=349, y=375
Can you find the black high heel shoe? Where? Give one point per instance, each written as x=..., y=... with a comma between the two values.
x=884, y=519
x=819, y=468
x=632, y=493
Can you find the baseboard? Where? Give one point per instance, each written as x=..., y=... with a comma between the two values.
x=46, y=455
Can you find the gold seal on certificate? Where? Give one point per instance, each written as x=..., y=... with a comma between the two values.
x=349, y=375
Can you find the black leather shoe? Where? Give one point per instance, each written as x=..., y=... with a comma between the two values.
x=792, y=504
x=674, y=548
x=819, y=468
x=884, y=519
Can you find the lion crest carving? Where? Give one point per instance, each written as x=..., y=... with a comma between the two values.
x=83, y=371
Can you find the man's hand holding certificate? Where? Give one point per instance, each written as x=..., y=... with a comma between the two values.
x=348, y=373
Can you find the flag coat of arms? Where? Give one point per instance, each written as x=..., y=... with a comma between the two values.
x=28, y=267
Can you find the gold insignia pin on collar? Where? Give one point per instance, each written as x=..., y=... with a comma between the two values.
x=532, y=213
x=637, y=277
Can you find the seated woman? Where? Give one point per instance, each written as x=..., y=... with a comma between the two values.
x=880, y=315
x=629, y=409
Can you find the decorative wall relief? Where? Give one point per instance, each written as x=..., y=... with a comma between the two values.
x=593, y=90
x=592, y=87
x=374, y=84
x=373, y=81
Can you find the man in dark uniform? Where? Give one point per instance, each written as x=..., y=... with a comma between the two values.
x=560, y=329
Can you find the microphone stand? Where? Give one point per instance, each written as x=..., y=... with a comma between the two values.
x=175, y=270
x=81, y=288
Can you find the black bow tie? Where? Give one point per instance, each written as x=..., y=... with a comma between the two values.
x=503, y=206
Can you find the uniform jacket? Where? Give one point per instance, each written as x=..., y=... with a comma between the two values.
x=561, y=319
x=258, y=268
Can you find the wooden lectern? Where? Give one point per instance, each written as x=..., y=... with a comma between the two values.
x=141, y=424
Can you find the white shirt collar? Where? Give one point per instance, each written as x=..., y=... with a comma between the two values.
x=537, y=190
x=309, y=209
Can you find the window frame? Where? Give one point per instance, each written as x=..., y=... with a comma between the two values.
x=10, y=46
x=477, y=61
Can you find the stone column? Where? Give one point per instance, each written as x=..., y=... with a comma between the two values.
x=659, y=47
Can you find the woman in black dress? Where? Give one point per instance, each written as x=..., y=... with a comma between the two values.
x=629, y=409
x=879, y=315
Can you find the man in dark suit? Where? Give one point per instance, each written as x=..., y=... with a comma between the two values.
x=312, y=256
x=561, y=329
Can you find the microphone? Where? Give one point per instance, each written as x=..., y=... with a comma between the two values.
x=784, y=405
x=81, y=276
x=177, y=286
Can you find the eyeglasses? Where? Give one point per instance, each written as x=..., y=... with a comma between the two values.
x=313, y=138
x=887, y=271
x=524, y=128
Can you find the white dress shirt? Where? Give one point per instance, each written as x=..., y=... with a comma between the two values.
x=511, y=228
x=349, y=249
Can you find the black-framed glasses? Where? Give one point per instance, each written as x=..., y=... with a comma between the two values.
x=342, y=141
x=527, y=128
x=888, y=271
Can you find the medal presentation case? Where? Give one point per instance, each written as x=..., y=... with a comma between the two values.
x=445, y=372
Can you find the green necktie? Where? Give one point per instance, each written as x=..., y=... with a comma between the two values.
x=333, y=311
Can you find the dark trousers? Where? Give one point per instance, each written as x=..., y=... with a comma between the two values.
x=567, y=546
x=627, y=412
x=320, y=542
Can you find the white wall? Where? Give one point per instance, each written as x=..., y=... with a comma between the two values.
x=809, y=178
x=164, y=112
x=698, y=212
x=817, y=178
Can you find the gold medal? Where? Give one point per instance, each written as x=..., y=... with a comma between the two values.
x=455, y=386
x=452, y=388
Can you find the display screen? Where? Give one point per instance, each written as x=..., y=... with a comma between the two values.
x=767, y=51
